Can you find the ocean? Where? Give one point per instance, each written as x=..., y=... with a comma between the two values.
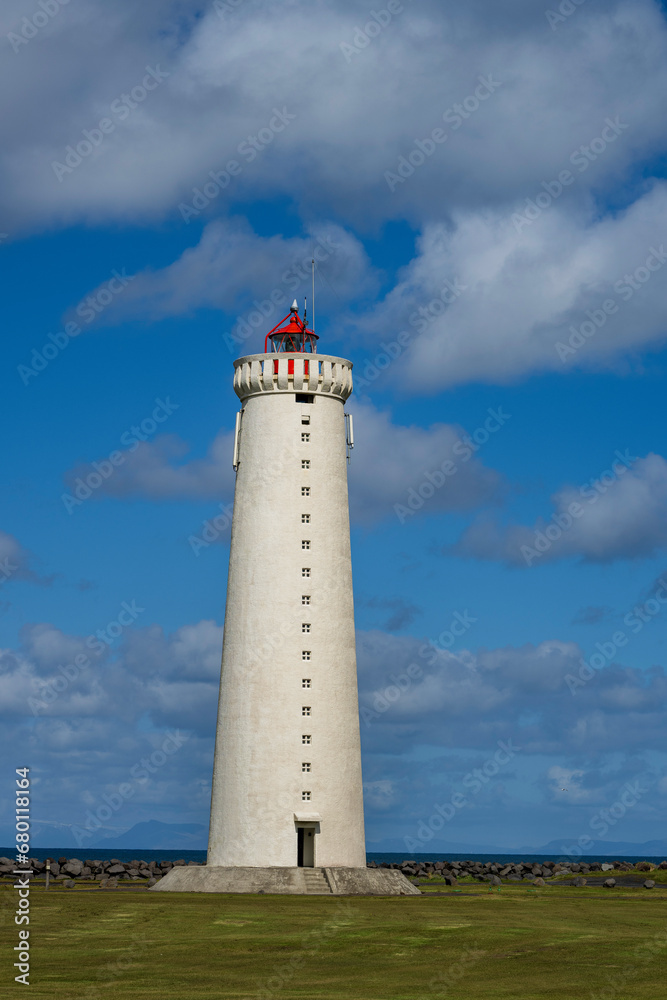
x=142, y=854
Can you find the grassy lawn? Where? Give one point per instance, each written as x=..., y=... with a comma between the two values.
x=518, y=942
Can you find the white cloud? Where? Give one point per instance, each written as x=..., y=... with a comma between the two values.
x=520, y=294
x=622, y=517
x=352, y=119
x=157, y=470
x=232, y=268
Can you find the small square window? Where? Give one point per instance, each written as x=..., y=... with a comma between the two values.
x=306, y=739
x=305, y=626
x=305, y=491
x=305, y=682
x=305, y=438
x=305, y=796
x=305, y=463
x=305, y=767
x=305, y=598
x=305, y=518
x=305, y=710
x=305, y=544
x=305, y=572
x=305, y=654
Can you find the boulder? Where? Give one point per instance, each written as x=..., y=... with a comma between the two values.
x=606, y=867
x=609, y=883
x=62, y=861
x=649, y=883
x=117, y=869
x=539, y=881
x=74, y=867
x=579, y=882
x=69, y=883
x=450, y=879
x=151, y=882
x=643, y=866
x=494, y=880
x=663, y=865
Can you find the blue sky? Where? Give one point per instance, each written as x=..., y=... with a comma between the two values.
x=535, y=220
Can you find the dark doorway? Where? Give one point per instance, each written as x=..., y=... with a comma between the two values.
x=305, y=846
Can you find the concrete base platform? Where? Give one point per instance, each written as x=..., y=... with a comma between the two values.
x=288, y=881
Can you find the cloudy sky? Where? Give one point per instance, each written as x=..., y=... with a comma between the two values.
x=484, y=187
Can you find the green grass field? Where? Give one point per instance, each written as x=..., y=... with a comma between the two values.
x=518, y=942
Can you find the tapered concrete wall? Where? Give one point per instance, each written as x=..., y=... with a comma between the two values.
x=273, y=641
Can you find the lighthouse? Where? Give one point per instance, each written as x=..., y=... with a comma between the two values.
x=287, y=795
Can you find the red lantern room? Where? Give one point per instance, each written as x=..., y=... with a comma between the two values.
x=291, y=338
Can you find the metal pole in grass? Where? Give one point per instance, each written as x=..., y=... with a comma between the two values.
x=48, y=871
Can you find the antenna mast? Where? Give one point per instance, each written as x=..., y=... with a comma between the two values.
x=312, y=304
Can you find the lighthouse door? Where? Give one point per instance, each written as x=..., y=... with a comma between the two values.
x=305, y=847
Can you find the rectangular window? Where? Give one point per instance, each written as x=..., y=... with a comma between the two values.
x=305, y=710
x=305, y=767
x=305, y=491
x=304, y=397
x=306, y=739
x=305, y=796
x=305, y=682
x=305, y=518
x=305, y=437
x=305, y=626
x=305, y=572
x=305, y=544
x=305, y=599
x=305, y=654
x=305, y=463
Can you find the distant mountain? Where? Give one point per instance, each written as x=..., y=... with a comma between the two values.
x=156, y=836
x=558, y=848
x=609, y=848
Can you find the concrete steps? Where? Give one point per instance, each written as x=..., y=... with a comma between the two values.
x=316, y=882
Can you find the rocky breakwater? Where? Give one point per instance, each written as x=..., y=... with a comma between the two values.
x=496, y=872
x=107, y=874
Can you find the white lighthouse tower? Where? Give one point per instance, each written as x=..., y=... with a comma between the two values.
x=287, y=800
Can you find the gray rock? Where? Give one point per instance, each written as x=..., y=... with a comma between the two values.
x=495, y=880
x=539, y=881
x=609, y=883
x=73, y=867
x=151, y=882
x=117, y=869
x=579, y=882
x=649, y=883
x=606, y=867
x=69, y=883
